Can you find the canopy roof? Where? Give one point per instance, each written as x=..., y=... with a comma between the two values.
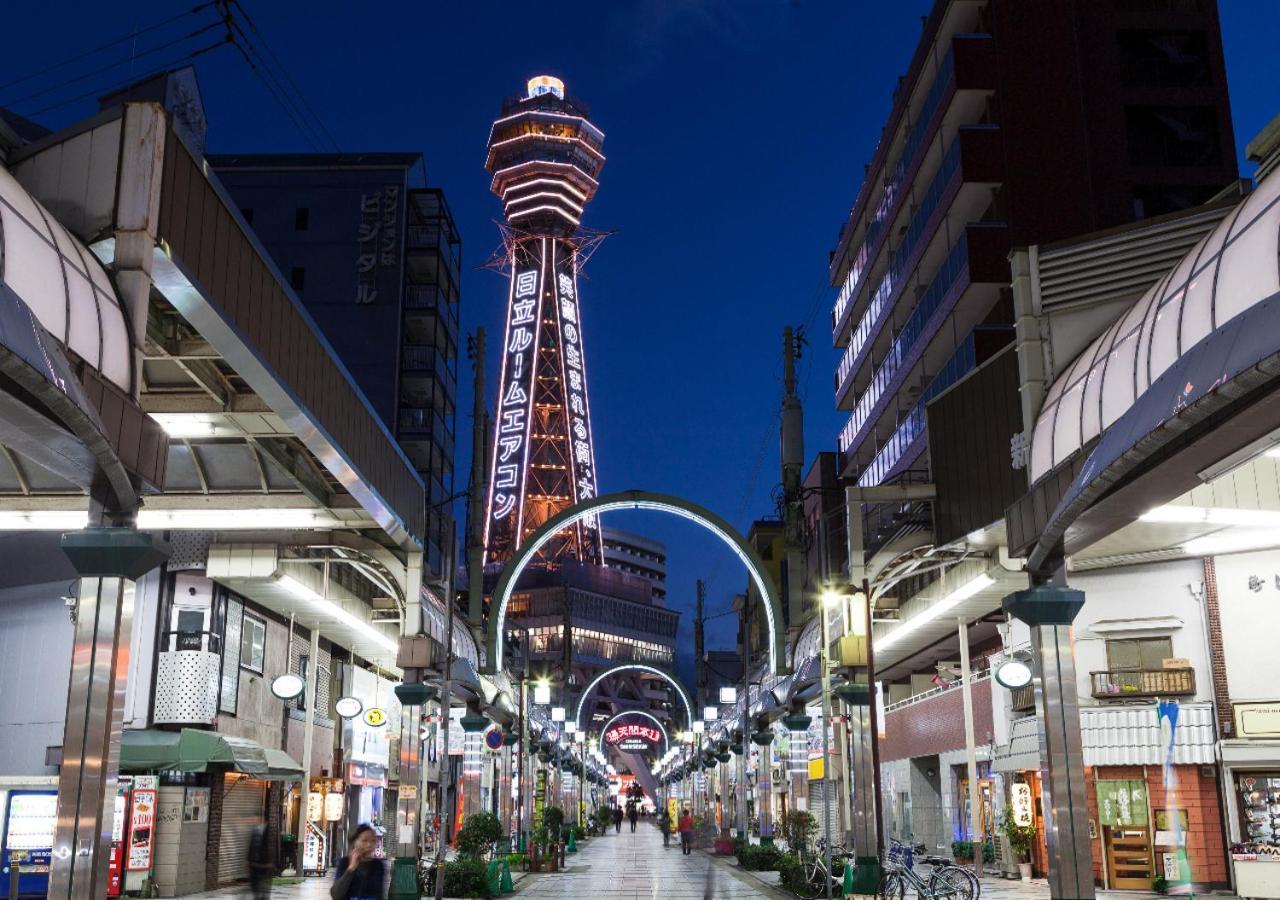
x=1231, y=270
x=194, y=750
x=63, y=284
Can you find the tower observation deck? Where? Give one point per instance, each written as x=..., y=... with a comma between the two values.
x=545, y=157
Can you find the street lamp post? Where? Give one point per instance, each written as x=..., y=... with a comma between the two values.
x=829, y=599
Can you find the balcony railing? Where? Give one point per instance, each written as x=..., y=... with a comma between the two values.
x=913, y=426
x=894, y=187
x=1142, y=683
x=1024, y=698
x=900, y=262
x=905, y=343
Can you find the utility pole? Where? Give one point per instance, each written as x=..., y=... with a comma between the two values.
x=700, y=651
x=792, y=432
x=446, y=702
x=479, y=486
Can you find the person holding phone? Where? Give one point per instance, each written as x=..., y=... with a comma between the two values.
x=359, y=875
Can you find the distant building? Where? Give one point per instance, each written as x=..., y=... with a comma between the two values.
x=374, y=256
x=635, y=554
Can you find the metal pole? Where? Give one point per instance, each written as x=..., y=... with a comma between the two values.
x=971, y=753
x=826, y=739
x=309, y=715
x=446, y=701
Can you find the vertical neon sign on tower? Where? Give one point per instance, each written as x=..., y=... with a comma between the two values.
x=545, y=157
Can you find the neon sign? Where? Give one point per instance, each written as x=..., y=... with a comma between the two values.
x=633, y=737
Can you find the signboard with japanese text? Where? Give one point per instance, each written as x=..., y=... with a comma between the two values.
x=378, y=238
x=313, y=849
x=141, y=830
x=632, y=737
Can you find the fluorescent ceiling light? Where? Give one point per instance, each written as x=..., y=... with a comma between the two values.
x=946, y=604
x=43, y=519
x=1237, y=542
x=1274, y=452
x=329, y=610
x=1213, y=515
x=194, y=425
x=231, y=519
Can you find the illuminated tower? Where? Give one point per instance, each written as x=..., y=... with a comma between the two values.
x=545, y=158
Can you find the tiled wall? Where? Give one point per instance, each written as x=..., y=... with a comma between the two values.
x=1197, y=794
x=936, y=725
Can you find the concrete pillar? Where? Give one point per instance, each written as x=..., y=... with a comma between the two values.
x=109, y=561
x=1050, y=609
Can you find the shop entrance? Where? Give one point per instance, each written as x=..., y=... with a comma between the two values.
x=1126, y=834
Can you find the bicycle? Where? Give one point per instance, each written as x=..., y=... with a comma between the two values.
x=946, y=881
x=816, y=873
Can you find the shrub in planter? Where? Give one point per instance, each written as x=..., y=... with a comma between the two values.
x=758, y=859
x=466, y=878
x=962, y=850
x=553, y=820
x=799, y=829
x=791, y=874
x=477, y=835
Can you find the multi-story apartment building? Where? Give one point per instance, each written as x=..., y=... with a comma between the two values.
x=636, y=554
x=373, y=254
x=1014, y=124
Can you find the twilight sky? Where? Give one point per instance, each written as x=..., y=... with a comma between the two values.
x=736, y=133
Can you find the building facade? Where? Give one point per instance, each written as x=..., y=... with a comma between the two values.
x=636, y=554
x=374, y=255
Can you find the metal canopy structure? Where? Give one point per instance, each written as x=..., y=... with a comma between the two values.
x=635, y=667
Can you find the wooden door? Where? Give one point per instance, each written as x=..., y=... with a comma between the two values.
x=1128, y=857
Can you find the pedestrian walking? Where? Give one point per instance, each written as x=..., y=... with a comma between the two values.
x=617, y=820
x=664, y=823
x=686, y=832
x=633, y=815
x=359, y=875
x=261, y=864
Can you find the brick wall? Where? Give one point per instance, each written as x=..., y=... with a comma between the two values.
x=1217, y=657
x=1197, y=794
x=936, y=725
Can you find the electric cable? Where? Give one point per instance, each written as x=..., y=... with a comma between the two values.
x=109, y=66
x=307, y=136
x=167, y=67
x=128, y=37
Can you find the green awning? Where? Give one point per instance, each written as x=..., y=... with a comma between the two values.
x=194, y=750
x=281, y=766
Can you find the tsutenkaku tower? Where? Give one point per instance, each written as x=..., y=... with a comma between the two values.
x=545, y=158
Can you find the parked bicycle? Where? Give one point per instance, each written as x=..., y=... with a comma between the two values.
x=816, y=874
x=946, y=881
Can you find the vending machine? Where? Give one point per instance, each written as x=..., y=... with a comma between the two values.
x=28, y=842
x=115, y=863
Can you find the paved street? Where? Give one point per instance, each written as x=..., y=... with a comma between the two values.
x=636, y=867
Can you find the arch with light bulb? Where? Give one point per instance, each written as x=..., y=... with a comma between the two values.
x=635, y=667
x=666, y=738
x=665, y=503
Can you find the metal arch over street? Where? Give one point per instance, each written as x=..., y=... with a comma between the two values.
x=635, y=667
x=637, y=500
x=666, y=738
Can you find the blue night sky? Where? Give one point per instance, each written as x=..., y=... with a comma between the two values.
x=736, y=133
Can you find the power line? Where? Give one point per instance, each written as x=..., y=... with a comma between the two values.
x=128, y=37
x=285, y=71
x=166, y=67
x=98, y=71
x=271, y=89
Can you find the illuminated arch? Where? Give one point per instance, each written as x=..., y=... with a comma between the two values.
x=636, y=500
x=635, y=667
x=666, y=738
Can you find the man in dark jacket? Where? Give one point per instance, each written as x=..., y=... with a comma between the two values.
x=617, y=820
x=261, y=862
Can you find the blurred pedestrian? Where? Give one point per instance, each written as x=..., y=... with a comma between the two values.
x=617, y=820
x=633, y=814
x=664, y=823
x=262, y=864
x=686, y=832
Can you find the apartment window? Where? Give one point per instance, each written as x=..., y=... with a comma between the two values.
x=1138, y=654
x=1173, y=135
x=297, y=278
x=253, y=643
x=247, y=215
x=301, y=218
x=1164, y=58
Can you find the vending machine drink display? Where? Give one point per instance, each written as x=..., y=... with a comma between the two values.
x=28, y=841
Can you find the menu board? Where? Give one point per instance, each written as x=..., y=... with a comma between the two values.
x=141, y=830
x=1260, y=807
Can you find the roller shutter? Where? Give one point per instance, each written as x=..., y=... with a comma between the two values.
x=243, y=802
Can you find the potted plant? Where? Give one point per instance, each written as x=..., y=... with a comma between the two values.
x=1020, y=838
x=962, y=851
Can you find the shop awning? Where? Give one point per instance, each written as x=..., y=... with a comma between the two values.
x=193, y=750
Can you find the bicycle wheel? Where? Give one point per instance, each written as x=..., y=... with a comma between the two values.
x=814, y=874
x=953, y=883
x=892, y=887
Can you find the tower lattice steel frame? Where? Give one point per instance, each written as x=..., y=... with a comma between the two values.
x=545, y=157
